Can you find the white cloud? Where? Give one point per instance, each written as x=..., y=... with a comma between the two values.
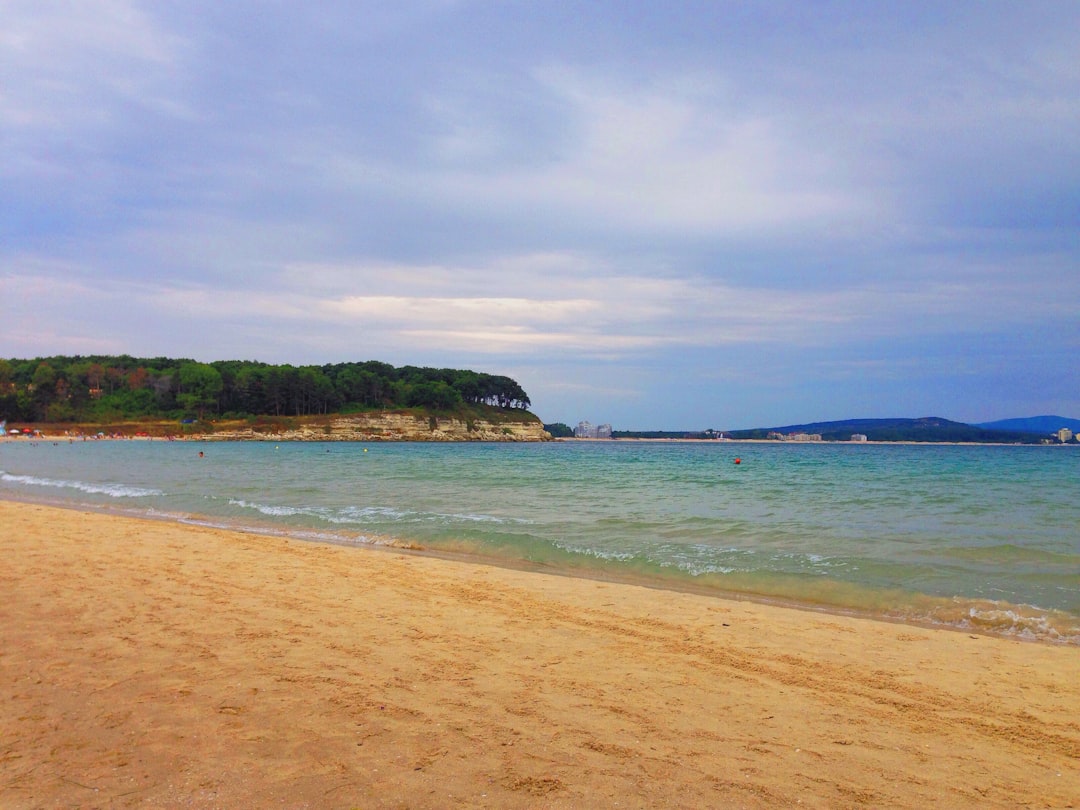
x=528, y=341
x=672, y=157
x=658, y=155
x=848, y=184
x=586, y=307
x=454, y=310
x=68, y=65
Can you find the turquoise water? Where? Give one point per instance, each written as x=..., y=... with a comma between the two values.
x=980, y=537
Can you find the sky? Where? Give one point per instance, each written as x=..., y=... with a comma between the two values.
x=659, y=215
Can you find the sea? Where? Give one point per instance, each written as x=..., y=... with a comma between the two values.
x=984, y=539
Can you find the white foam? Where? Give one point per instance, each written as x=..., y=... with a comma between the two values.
x=600, y=554
x=112, y=490
x=365, y=514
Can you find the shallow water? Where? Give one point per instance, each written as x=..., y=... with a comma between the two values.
x=980, y=537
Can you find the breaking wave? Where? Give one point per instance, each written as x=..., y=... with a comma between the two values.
x=111, y=490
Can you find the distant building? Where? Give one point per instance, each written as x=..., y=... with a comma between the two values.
x=585, y=430
x=793, y=437
x=1064, y=435
x=858, y=437
x=803, y=437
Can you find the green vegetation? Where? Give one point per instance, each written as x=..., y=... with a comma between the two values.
x=665, y=434
x=558, y=430
x=104, y=388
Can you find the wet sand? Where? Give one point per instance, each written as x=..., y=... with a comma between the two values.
x=150, y=664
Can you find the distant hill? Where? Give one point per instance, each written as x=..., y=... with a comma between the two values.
x=925, y=429
x=1042, y=425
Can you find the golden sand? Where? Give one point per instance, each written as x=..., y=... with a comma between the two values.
x=149, y=664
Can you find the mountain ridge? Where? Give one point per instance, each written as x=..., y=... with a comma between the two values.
x=1042, y=425
x=921, y=429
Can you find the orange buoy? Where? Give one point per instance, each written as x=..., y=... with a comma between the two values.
x=738, y=461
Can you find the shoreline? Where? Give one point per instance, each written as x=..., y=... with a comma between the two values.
x=592, y=572
x=280, y=438
x=146, y=662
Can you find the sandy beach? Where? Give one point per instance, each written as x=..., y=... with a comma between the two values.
x=150, y=664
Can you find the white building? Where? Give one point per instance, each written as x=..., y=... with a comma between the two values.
x=1064, y=435
x=586, y=430
x=793, y=437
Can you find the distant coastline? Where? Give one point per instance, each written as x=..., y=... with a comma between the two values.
x=931, y=429
x=675, y=440
x=501, y=425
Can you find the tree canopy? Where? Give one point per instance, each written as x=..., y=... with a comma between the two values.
x=70, y=389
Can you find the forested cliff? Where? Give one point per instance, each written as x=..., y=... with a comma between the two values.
x=100, y=388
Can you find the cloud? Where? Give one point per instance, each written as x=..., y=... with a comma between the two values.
x=78, y=64
x=509, y=311
x=647, y=203
x=670, y=158
x=563, y=304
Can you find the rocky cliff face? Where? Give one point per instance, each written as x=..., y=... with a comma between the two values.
x=394, y=427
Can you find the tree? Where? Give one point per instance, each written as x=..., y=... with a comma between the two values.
x=100, y=387
x=200, y=387
x=249, y=391
x=138, y=379
x=44, y=389
x=436, y=395
x=559, y=430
